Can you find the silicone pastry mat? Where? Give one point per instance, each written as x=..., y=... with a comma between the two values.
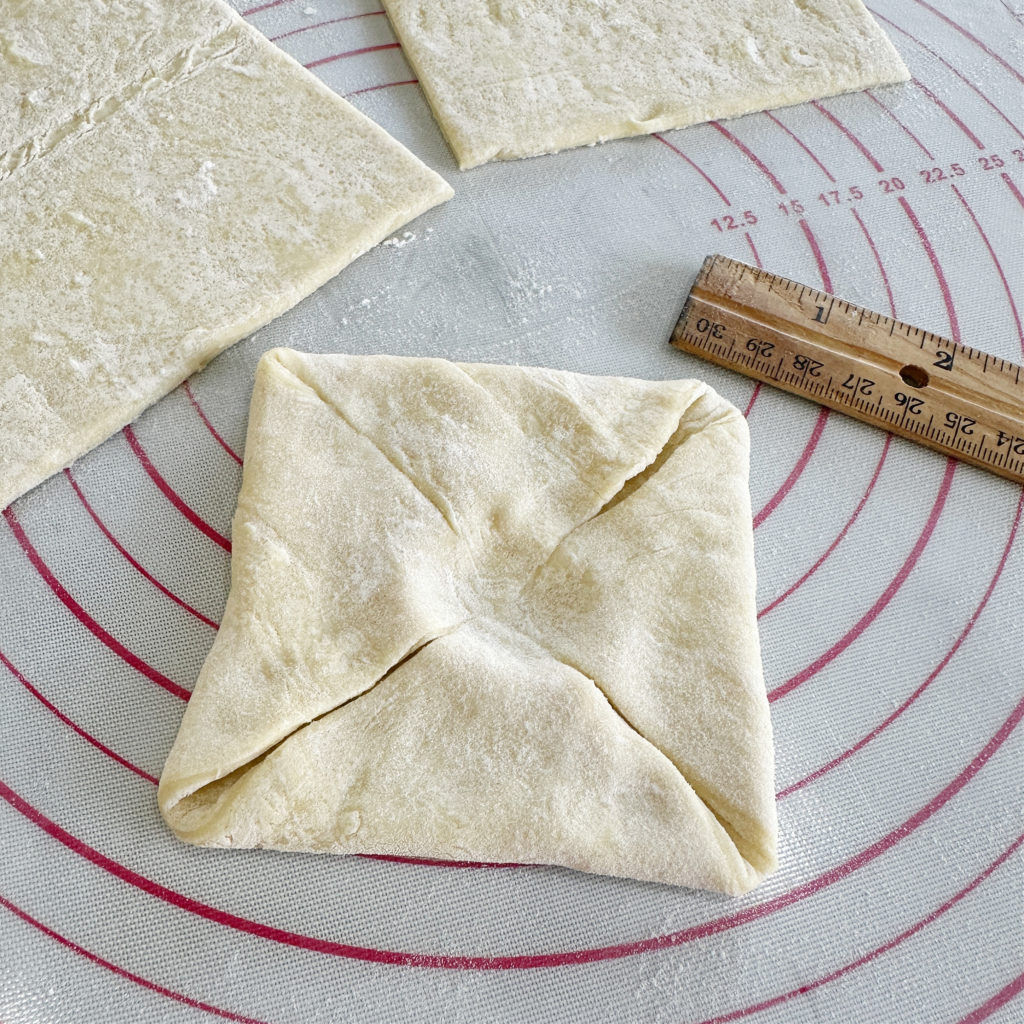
x=890, y=593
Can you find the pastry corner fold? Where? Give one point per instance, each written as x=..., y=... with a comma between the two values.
x=487, y=612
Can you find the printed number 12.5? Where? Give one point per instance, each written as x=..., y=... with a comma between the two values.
x=730, y=223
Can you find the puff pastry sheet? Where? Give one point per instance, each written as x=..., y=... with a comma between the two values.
x=169, y=182
x=515, y=78
x=489, y=613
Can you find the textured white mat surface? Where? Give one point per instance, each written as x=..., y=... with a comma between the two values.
x=890, y=586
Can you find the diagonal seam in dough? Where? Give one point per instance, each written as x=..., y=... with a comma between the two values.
x=179, y=67
x=640, y=475
x=699, y=791
x=421, y=645
x=435, y=499
x=241, y=769
x=678, y=427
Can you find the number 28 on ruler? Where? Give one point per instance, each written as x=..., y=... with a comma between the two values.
x=937, y=392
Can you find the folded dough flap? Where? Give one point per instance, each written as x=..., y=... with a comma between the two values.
x=512, y=457
x=540, y=769
x=654, y=599
x=383, y=500
x=413, y=532
x=340, y=567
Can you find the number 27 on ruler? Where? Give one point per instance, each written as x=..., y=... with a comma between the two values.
x=940, y=393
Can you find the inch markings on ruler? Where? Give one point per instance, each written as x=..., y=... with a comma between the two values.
x=943, y=394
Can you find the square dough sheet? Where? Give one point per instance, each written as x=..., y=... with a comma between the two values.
x=169, y=182
x=516, y=78
x=487, y=613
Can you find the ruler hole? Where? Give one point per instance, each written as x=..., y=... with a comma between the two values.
x=915, y=376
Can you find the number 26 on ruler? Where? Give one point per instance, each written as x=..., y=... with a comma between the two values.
x=730, y=223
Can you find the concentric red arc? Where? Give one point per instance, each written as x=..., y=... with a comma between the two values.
x=836, y=761
x=531, y=960
x=127, y=556
x=171, y=494
x=883, y=600
x=69, y=602
x=121, y=972
x=87, y=736
x=992, y=1005
x=187, y=388
x=959, y=74
x=875, y=953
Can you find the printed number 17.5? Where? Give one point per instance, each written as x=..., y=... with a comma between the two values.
x=730, y=223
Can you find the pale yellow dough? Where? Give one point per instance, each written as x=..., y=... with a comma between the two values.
x=169, y=182
x=489, y=613
x=515, y=78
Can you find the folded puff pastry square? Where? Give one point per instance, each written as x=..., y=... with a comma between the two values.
x=169, y=182
x=515, y=78
x=483, y=612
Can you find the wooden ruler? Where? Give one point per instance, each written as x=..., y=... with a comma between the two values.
x=940, y=393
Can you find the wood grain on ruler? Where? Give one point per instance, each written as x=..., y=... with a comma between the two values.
x=942, y=394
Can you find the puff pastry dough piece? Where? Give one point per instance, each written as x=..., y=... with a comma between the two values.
x=486, y=612
x=169, y=181
x=515, y=78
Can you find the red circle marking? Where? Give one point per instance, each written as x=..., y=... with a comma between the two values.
x=323, y=24
x=130, y=560
x=753, y=398
x=384, y=85
x=87, y=736
x=695, y=166
x=947, y=295
x=789, y=131
x=264, y=7
x=949, y=113
x=171, y=494
x=886, y=596
x=65, y=598
x=819, y=257
x=531, y=960
x=1013, y=188
x=963, y=78
x=753, y=249
x=861, y=148
x=878, y=260
x=929, y=679
x=209, y=426
x=924, y=149
x=835, y=543
x=998, y=265
x=878, y=951
x=351, y=53
x=997, y=1002
x=121, y=972
x=796, y=472
x=974, y=39
x=750, y=155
